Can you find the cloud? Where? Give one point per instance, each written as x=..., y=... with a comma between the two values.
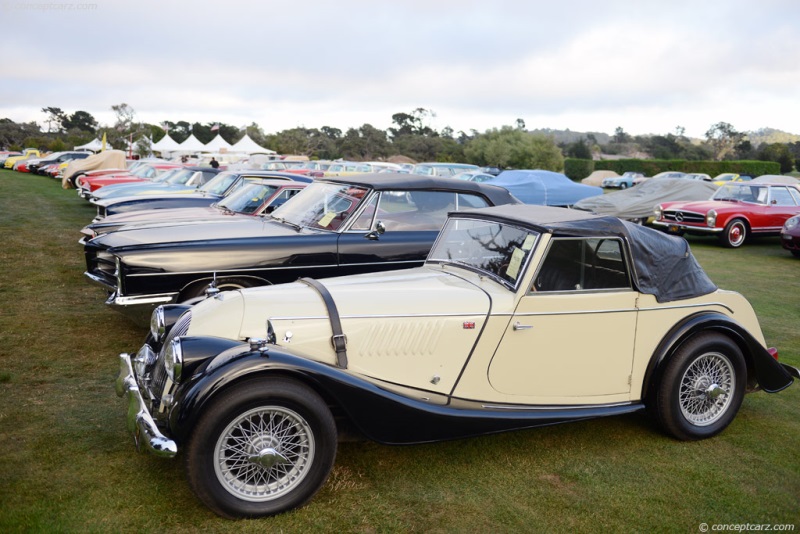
x=573, y=64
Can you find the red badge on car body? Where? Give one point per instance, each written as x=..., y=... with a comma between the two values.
x=469, y=325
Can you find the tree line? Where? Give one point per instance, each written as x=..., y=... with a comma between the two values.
x=510, y=146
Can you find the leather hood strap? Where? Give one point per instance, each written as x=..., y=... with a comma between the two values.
x=338, y=340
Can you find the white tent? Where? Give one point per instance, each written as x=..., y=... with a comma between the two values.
x=192, y=145
x=94, y=145
x=165, y=144
x=218, y=144
x=248, y=146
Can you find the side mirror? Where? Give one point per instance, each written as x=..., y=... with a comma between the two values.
x=379, y=230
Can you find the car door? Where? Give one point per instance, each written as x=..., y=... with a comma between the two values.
x=781, y=206
x=571, y=338
x=410, y=220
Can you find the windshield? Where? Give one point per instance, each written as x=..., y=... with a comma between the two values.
x=166, y=175
x=218, y=184
x=496, y=249
x=322, y=205
x=181, y=177
x=741, y=192
x=248, y=199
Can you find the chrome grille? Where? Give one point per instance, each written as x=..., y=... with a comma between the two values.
x=684, y=216
x=159, y=372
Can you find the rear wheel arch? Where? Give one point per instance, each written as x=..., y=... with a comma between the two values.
x=682, y=333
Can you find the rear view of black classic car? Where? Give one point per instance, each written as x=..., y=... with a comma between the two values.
x=521, y=316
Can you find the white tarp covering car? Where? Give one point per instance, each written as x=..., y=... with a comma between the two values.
x=637, y=203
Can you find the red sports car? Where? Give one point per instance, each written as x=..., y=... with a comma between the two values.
x=735, y=212
x=91, y=182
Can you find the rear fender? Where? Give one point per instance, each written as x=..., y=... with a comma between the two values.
x=762, y=368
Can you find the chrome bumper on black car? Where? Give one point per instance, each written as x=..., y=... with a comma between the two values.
x=141, y=424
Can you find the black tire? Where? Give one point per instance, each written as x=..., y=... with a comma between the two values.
x=795, y=253
x=734, y=234
x=701, y=388
x=623, y=185
x=262, y=448
x=197, y=292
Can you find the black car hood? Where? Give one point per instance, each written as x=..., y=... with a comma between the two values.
x=194, y=231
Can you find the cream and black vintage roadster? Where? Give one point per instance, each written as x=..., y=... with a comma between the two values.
x=521, y=316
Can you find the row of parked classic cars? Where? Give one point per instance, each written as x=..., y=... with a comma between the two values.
x=285, y=311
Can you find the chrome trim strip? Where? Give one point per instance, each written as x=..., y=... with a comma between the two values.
x=549, y=407
x=510, y=314
x=139, y=421
x=654, y=308
x=281, y=267
x=140, y=300
x=380, y=316
x=702, y=305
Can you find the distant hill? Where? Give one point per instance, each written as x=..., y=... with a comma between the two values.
x=771, y=135
x=568, y=136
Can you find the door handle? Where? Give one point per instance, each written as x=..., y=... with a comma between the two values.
x=520, y=326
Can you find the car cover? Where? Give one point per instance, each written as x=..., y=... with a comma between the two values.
x=544, y=187
x=638, y=202
x=109, y=159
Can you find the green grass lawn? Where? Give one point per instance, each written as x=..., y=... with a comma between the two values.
x=67, y=463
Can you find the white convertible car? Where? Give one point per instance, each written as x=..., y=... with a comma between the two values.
x=521, y=316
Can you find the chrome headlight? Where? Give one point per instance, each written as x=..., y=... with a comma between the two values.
x=173, y=360
x=158, y=325
x=711, y=218
x=658, y=211
x=791, y=223
x=144, y=359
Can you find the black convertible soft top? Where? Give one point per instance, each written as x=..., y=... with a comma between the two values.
x=663, y=265
x=410, y=182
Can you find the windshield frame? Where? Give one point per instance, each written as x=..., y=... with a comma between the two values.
x=732, y=192
x=234, y=197
x=309, y=199
x=532, y=240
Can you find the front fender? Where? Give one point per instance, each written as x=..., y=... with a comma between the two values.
x=379, y=414
x=763, y=368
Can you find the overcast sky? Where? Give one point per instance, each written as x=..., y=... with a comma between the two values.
x=645, y=65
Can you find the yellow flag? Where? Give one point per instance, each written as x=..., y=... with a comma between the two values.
x=103, y=149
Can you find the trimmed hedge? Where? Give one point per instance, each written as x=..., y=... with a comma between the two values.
x=578, y=169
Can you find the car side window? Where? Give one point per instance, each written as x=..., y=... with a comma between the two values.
x=466, y=201
x=364, y=221
x=415, y=211
x=577, y=264
x=780, y=196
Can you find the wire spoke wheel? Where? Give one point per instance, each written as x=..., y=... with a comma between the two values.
x=264, y=453
x=701, y=387
x=705, y=389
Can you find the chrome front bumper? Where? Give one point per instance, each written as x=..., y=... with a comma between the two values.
x=672, y=226
x=146, y=434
